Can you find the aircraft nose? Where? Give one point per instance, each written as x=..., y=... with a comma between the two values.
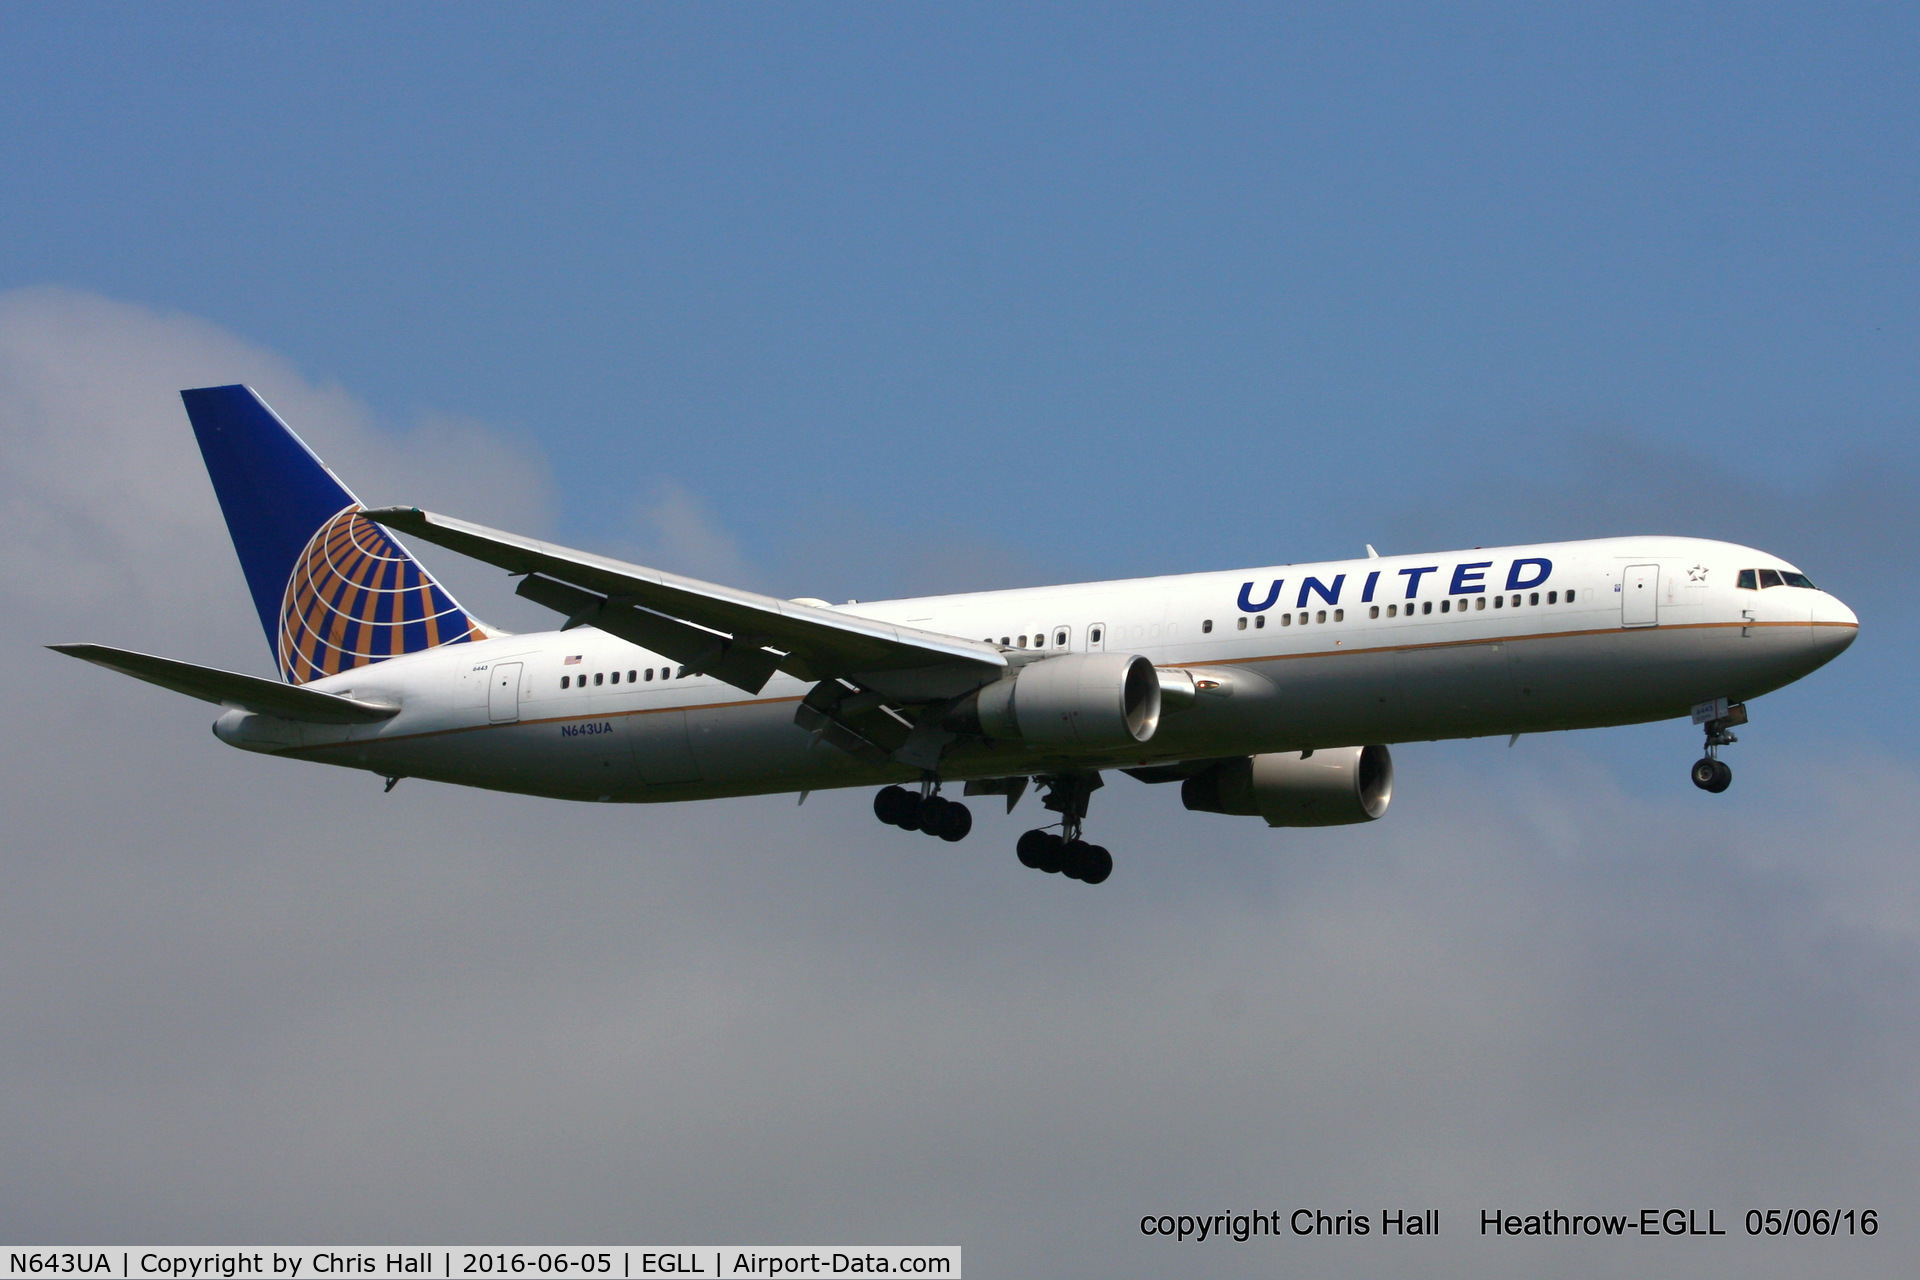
x=1834, y=627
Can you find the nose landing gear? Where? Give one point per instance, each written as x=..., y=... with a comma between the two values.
x=1712, y=775
x=1710, y=772
x=929, y=812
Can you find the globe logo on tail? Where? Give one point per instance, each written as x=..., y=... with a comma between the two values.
x=356, y=597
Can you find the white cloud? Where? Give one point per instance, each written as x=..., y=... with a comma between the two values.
x=108, y=525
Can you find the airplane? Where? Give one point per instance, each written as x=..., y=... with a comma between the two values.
x=1273, y=692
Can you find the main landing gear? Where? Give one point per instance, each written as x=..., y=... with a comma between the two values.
x=1066, y=854
x=1710, y=772
x=1063, y=853
x=928, y=811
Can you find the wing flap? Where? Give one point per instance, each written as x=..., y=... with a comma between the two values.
x=635, y=602
x=738, y=661
x=231, y=688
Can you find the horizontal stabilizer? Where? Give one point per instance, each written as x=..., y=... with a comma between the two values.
x=232, y=689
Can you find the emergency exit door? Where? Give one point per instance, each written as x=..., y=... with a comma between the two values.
x=1640, y=596
x=503, y=693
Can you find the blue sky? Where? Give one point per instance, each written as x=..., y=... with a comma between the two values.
x=854, y=301
x=1178, y=288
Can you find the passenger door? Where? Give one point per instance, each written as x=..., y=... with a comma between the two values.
x=1640, y=596
x=503, y=693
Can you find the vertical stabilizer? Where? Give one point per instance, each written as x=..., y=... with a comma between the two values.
x=334, y=590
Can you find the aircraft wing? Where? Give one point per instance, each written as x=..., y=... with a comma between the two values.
x=232, y=689
x=736, y=636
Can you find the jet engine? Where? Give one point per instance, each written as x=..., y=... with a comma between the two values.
x=1295, y=789
x=1084, y=700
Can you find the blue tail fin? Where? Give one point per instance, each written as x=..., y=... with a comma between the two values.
x=333, y=589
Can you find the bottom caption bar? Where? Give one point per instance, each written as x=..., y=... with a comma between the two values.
x=440, y=1262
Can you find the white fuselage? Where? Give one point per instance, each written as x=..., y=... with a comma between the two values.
x=1381, y=650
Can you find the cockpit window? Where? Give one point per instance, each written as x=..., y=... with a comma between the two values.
x=1756, y=579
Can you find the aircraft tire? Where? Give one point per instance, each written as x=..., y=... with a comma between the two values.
x=933, y=813
x=910, y=813
x=1053, y=854
x=955, y=822
x=1031, y=849
x=892, y=804
x=1712, y=775
x=1096, y=864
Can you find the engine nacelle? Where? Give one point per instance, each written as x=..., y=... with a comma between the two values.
x=1325, y=789
x=1086, y=700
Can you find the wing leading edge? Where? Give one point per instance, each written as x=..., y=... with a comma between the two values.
x=736, y=636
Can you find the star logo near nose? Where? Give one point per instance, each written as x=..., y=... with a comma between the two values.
x=1697, y=574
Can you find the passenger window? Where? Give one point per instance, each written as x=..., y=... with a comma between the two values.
x=1393, y=611
x=629, y=677
x=1242, y=624
x=1340, y=615
x=1516, y=602
x=1534, y=598
x=1095, y=635
x=1569, y=597
x=1480, y=602
x=1286, y=619
x=1320, y=616
x=1303, y=617
x=1260, y=622
x=1446, y=606
x=598, y=676
x=1060, y=638
x=1374, y=612
x=1498, y=601
x=566, y=681
x=1770, y=578
x=649, y=673
x=1206, y=628
x=1426, y=606
x=1553, y=597
x=1006, y=641
x=1749, y=580
x=616, y=677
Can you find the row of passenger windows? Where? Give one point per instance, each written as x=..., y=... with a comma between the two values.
x=1394, y=610
x=1286, y=619
x=633, y=677
x=1760, y=579
x=1039, y=639
x=1479, y=602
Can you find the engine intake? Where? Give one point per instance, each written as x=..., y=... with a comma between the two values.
x=1086, y=700
x=1325, y=789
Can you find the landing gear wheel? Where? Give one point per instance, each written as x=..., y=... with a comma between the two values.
x=933, y=812
x=1048, y=851
x=895, y=806
x=911, y=813
x=1096, y=864
x=956, y=820
x=1712, y=775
